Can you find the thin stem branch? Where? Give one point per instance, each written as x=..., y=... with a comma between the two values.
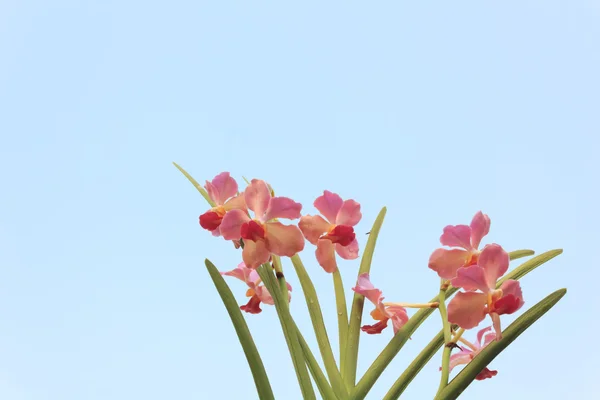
x=447, y=337
x=342, y=314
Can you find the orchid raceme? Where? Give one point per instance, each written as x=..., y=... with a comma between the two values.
x=464, y=241
x=257, y=292
x=470, y=350
x=264, y=234
x=334, y=233
x=223, y=191
x=472, y=273
x=468, y=309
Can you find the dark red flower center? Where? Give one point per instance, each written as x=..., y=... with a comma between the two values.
x=253, y=306
x=253, y=230
x=342, y=234
x=211, y=219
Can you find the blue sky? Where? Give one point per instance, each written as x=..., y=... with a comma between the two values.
x=435, y=110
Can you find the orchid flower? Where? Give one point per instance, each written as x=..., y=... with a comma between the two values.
x=334, y=233
x=383, y=312
x=471, y=350
x=464, y=240
x=264, y=234
x=468, y=309
x=258, y=293
x=223, y=191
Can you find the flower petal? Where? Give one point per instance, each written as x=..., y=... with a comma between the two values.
x=486, y=373
x=480, y=226
x=235, y=203
x=366, y=288
x=376, y=328
x=255, y=253
x=349, y=213
x=471, y=278
x=283, y=240
x=480, y=335
x=511, y=300
x=329, y=205
x=222, y=187
x=253, y=306
x=231, y=226
x=461, y=358
x=282, y=207
x=489, y=338
x=349, y=252
x=257, y=196
x=313, y=227
x=446, y=262
x=398, y=316
x=264, y=295
x=241, y=272
x=494, y=261
x=467, y=310
x=457, y=236
x=325, y=254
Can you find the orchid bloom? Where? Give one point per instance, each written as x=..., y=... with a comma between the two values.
x=468, y=309
x=223, y=192
x=468, y=353
x=464, y=240
x=334, y=233
x=264, y=234
x=383, y=311
x=258, y=293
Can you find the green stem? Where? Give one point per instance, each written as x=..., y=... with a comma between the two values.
x=447, y=337
x=289, y=331
x=280, y=277
x=342, y=314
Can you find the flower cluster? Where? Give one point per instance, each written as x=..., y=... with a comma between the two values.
x=252, y=220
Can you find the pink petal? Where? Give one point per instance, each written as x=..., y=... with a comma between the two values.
x=460, y=358
x=264, y=295
x=486, y=373
x=467, y=310
x=480, y=335
x=376, y=328
x=255, y=253
x=221, y=188
x=349, y=213
x=257, y=197
x=471, y=278
x=398, y=316
x=480, y=226
x=329, y=205
x=284, y=240
x=349, y=252
x=489, y=338
x=325, y=254
x=231, y=226
x=282, y=207
x=253, y=306
x=511, y=300
x=496, y=324
x=494, y=261
x=457, y=236
x=313, y=227
x=241, y=272
x=235, y=203
x=446, y=262
x=366, y=288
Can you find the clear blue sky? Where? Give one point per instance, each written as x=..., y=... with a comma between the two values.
x=436, y=110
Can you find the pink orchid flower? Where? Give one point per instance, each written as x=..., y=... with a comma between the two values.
x=258, y=293
x=468, y=309
x=383, y=312
x=334, y=233
x=464, y=241
x=468, y=353
x=223, y=192
x=264, y=234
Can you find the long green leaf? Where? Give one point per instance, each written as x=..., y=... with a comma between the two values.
x=289, y=331
x=349, y=368
x=257, y=368
x=342, y=313
x=395, y=345
x=423, y=358
x=468, y=374
x=194, y=182
x=315, y=370
x=316, y=316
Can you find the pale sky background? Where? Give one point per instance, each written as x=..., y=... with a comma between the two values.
x=435, y=109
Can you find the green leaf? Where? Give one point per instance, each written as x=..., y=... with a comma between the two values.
x=395, y=345
x=349, y=368
x=289, y=330
x=434, y=345
x=468, y=374
x=196, y=185
x=257, y=368
x=342, y=313
x=316, y=316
